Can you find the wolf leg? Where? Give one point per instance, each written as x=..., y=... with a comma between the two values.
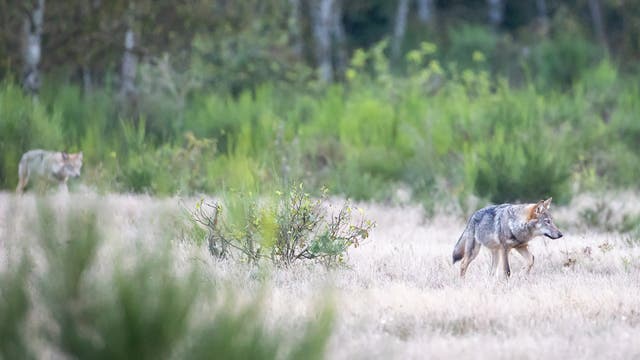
x=526, y=254
x=504, y=258
x=495, y=261
x=23, y=178
x=63, y=188
x=469, y=256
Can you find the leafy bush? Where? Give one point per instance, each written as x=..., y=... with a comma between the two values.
x=25, y=124
x=295, y=228
x=466, y=42
x=511, y=171
x=562, y=60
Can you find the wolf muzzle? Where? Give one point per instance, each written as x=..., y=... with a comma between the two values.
x=555, y=236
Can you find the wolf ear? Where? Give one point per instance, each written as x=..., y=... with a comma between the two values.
x=536, y=210
x=65, y=156
x=547, y=203
x=533, y=210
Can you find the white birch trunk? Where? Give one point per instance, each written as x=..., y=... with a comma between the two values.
x=426, y=11
x=129, y=65
x=541, y=7
x=321, y=15
x=32, y=48
x=400, y=28
x=496, y=12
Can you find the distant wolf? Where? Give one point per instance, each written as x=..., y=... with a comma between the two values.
x=501, y=228
x=50, y=166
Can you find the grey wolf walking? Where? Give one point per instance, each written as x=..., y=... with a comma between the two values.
x=50, y=166
x=501, y=228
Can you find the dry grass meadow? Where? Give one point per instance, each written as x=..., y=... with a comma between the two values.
x=399, y=297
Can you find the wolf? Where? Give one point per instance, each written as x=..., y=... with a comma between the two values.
x=50, y=166
x=502, y=228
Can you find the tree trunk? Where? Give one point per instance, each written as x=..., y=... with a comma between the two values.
x=400, y=28
x=598, y=23
x=321, y=15
x=543, y=16
x=129, y=66
x=295, y=27
x=541, y=6
x=87, y=80
x=32, y=48
x=340, y=37
x=496, y=13
x=426, y=11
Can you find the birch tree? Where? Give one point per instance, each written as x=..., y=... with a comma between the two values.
x=32, y=46
x=321, y=11
x=400, y=27
x=426, y=11
x=541, y=7
x=129, y=63
x=496, y=12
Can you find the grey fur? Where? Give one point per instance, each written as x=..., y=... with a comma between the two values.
x=48, y=166
x=501, y=228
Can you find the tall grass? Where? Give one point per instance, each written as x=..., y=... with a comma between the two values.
x=61, y=298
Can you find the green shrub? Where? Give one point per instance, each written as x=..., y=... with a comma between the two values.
x=562, y=60
x=25, y=124
x=466, y=42
x=291, y=228
x=507, y=170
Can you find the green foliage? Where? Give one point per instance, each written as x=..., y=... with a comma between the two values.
x=25, y=124
x=508, y=171
x=168, y=169
x=445, y=131
x=471, y=45
x=289, y=228
x=563, y=60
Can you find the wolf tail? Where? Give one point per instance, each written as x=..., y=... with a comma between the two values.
x=458, y=249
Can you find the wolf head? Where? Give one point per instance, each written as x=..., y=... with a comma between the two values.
x=72, y=163
x=540, y=220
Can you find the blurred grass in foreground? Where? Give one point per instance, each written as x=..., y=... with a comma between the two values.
x=138, y=309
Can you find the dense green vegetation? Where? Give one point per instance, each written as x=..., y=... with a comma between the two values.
x=438, y=129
